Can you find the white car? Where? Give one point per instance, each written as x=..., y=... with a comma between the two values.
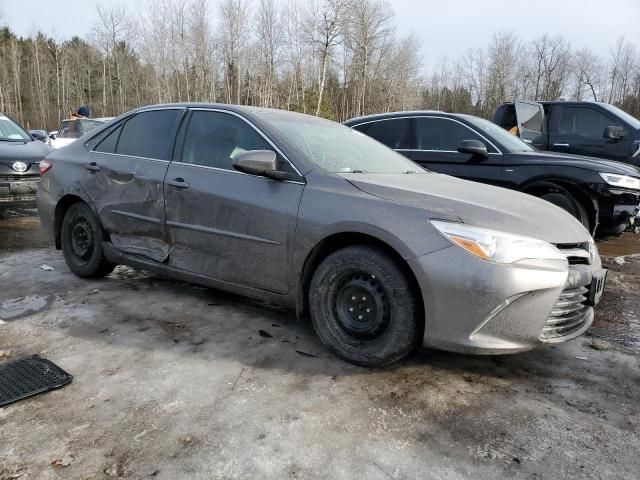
x=73, y=128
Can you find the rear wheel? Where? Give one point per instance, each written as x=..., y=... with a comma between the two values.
x=81, y=238
x=363, y=307
x=566, y=201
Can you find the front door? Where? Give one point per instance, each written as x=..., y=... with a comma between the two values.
x=580, y=130
x=222, y=223
x=436, y=147
x=531, y=124
x=126, y=171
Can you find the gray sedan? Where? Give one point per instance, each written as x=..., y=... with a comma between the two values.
x=381, y=255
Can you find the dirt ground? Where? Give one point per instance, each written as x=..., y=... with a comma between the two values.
x=177, y=381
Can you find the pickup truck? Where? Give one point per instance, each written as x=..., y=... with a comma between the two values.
x=593, y=129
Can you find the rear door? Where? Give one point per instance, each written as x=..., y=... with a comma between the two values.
x=395, y=133
x=224, y=224
x=531, y=123
x=436, y=148
x=126, y=171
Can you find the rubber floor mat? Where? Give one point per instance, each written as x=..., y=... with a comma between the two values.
x=29, y=376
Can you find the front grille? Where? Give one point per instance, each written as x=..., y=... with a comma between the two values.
x=29, y=177
x=576, y=253
x=569, y=314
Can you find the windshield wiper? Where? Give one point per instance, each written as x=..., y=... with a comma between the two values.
x=358, y=171
x=411, y=171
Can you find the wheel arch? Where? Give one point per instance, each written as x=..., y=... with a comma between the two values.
x=335, y=242
x=62, y=206
x=540, y=186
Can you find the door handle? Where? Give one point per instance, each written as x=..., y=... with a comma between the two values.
x=93, y=167
x=529, y=142
x=560, y=144
x=178, y=183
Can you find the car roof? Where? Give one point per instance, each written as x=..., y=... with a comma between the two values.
x=380, y=116
x=560, y=102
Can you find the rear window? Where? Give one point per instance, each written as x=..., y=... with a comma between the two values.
x=394, y=133
x=149, y=134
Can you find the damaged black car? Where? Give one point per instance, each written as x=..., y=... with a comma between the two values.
x=20, y=154
x=603, y=194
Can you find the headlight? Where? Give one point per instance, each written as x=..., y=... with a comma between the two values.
x=497, y=246
x=623, y=181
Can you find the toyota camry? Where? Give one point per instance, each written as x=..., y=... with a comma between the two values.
x=379, y=253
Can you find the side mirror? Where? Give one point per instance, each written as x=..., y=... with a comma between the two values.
x=255, y=162
x=614, y=133
x=473, y=147
x=37, y=135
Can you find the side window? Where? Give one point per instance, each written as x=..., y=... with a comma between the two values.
x=109, y=142
x=214, y=139
x=394, y=133
x=442, y=134
x=149, y=134
x=531, y=117
x=586, y=122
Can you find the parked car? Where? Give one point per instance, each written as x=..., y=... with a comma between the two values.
x=315, y=216
x=73, y=128
x=19, y=158
x=583, y=128
x=603, y=195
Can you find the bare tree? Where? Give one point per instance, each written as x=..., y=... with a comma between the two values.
x=233, y=35
x=326, y=21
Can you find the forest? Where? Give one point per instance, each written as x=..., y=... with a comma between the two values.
x=333, y=58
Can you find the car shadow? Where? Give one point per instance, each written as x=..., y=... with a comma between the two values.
x=140, y=310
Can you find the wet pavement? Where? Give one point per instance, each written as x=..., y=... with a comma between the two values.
x=177, y=381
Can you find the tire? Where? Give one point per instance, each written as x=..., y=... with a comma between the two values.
x=566, y=201
x=81, y=238
x=386, y=332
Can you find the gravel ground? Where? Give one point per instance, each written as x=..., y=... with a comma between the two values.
x=178, y=381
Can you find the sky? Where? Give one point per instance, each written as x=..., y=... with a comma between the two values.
x=446, y=28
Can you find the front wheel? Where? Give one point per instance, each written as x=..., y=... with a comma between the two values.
x=567, y=202
x=363, y=307
x=81, y=238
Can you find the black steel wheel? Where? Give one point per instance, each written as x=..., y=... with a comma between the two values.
x=363, y=306
x=81, y=238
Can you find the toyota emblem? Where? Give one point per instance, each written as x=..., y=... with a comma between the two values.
x=20, y=167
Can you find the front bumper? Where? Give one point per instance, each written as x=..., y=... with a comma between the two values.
x=12, y=186
x=619, y=210
x=480, y=307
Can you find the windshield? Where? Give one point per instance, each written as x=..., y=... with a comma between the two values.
x=77, y=128
x=631, y=120
x=11, y=131
x=510, y=143
x=337, y=148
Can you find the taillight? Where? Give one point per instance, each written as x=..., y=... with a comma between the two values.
x=44, y=166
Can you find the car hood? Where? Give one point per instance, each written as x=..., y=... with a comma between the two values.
x=591, y=163
x=28, y=152
x=445, y=197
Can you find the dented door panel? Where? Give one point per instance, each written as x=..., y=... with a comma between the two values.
x=128, y=193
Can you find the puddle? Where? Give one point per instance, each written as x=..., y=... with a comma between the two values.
x=24, y=306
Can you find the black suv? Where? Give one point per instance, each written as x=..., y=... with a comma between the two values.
x=603, y=195
x=582, y=128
